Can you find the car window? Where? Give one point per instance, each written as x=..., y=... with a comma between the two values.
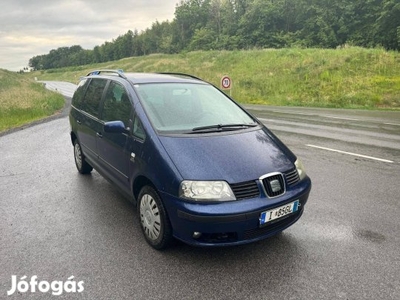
x=93, y=96
x=184, y=106
x=138, y=129
x=77, y=99
x=116, y=106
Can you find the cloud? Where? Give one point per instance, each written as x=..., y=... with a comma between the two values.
x=29, y=28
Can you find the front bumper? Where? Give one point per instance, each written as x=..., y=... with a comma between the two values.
x=232, y=223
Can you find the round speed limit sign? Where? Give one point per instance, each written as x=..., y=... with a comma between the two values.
x=226, y=82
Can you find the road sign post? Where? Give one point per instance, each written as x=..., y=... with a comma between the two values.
x=226, y=83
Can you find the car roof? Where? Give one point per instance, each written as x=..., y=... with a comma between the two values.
x=160, y=78
x=140, y=78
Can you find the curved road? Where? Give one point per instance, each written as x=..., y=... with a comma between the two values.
x=56, y=223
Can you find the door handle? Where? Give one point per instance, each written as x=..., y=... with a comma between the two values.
x=99, y=134
x=78, y=121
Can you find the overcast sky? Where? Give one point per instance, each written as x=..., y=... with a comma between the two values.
x=34, y=27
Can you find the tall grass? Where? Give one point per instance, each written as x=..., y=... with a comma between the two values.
x=341, y=78
x=22, y=100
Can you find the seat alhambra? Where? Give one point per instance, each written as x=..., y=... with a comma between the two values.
x=199, y=167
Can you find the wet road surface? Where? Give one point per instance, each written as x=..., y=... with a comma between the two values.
x=56, y=223
x=65, y=88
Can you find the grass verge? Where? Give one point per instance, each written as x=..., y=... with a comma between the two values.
x=22, y=100
x=337, y=78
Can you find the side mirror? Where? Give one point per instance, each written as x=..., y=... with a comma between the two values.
x=115, y=127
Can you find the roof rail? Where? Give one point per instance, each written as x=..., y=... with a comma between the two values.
x=119, y=72
x=181, y=74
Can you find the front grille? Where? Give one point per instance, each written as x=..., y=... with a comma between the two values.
x=292, y=177
x=274, y=185
x=249, y=189
x=244, y=190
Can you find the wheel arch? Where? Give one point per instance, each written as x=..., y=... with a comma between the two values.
x=139, y=183
x=73, y=137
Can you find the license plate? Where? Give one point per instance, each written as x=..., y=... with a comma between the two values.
x=279, y=212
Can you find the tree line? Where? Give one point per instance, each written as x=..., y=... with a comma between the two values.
x=245, y=24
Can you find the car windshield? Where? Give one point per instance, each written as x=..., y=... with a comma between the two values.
x=191, y=108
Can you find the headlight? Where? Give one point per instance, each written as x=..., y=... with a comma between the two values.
x=300, y=169
x=206, y=191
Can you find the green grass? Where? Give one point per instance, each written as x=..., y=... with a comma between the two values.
x=341, y=78
x=22, y=100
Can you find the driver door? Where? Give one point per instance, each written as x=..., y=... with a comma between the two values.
x=112, y=147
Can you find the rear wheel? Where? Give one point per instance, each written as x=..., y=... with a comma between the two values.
x=154, y=219
x=80, y=161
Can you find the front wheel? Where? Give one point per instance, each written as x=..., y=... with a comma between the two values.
x=80, y=162
x=154, y=219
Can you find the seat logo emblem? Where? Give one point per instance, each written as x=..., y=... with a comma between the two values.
x=275, y=185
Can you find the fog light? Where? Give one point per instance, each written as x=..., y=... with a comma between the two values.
x=196, y=235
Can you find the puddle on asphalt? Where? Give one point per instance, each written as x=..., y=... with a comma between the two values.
x=370, y=236
x=339, y=233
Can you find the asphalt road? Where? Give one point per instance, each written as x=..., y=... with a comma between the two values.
x=56, y=223
x=65, y=88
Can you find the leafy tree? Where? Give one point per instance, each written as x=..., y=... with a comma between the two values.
x=189, y=16
x=361, y=22
x=388, y=25
x=241, y=24
x=203, y=39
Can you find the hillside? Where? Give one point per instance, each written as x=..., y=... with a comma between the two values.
x=345, y=78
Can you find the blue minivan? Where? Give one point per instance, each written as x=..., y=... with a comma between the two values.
x=200, y=168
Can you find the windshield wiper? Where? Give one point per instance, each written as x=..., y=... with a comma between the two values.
x=222, y=127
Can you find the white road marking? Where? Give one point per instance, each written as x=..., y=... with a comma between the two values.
x=292, y=112
x=395, y=124
x=340, y=118
x=350, y=153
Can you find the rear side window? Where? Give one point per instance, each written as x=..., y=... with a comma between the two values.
x=77, y=99
x=93, y=96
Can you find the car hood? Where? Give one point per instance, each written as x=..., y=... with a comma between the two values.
x=234, y=156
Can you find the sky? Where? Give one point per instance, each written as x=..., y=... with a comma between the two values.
x=34, y=27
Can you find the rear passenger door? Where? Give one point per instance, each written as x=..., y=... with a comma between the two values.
x=112, y=147
x=89, y=122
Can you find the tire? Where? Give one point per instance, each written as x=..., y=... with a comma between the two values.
x=80, y=161
x=153, y=218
